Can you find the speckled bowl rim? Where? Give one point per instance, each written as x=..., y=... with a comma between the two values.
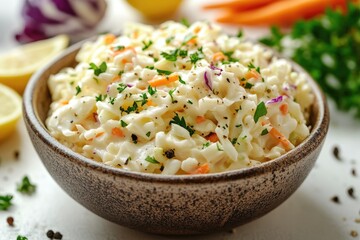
x=317, y=134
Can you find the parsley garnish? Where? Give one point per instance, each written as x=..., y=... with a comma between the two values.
x=123, y=124
x=219, y=147
x=163, y=72
x=121, y=87
x=181, y=122
x=100, y=97
x=98, y=69
x=5, y=202
x=111, y=100
x=147, y=44
x=148, y=134
x=181, y=81
x=234, y=141
x=264, y=132
x=183, y=53
x=78, y=90
x=189, y=101
x=118, y=48
x=260, y=111
x=205, y=145
x=26, y=186
x=130, y=109
x=185, y=22
x=151, y=90
x=172, y=56
x=239, y=33
x=144, y=99
x=195, y=57
x=229, y=57
x=169, y=39
x=171, y=95
x=248, y=85
x=19, y=237
x=120, y=73
x=151, y=160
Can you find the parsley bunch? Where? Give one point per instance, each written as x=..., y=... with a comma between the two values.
x=329, y=49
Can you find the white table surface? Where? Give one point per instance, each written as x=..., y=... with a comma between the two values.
x=308, y=214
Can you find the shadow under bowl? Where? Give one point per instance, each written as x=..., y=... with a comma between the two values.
x=160, y=204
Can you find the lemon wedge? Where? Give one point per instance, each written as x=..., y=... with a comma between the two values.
x=10, y=110
x=18, y=64
x=156, y=9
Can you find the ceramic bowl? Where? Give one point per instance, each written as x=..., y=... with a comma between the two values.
x=193, y=204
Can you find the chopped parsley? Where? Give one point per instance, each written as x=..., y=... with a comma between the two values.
x=239, y=33
x=147, y=44
x=121, y=72
x=98, y=69
x=171, y=95
x=218, y=146
x=111, y=100
x=130, y=109
x=19, y=237
x=183, y=53
x=163, y=72
x=181, y=122
x=78, y=90
x=229, y=57
x=151, y=90
x=169, y=39
x=260, y=111
x=181, y=81
x=123, y=124
x=100, y=97
x=121, y=87
x=26, y=186
x=151, y=160
x=248, y=85
x=144, y=99
x=118, y=48
x=264, y=132
x=172, y=56
x=185, y=22
x=148, y=134
x=205, y=145
x=194, y=57
x=189, y=101
x=234, y=141
x=5, y=202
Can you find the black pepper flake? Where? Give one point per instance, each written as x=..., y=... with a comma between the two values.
x=134, y=138
x=50, y=234
x=58, y=235
x=10, y=221
x=350, y=192
x=353, y=172
x=16, y=154
x=336, y=153
x=335, y=199
x=170, y=153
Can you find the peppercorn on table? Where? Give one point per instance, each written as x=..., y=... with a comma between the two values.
x=33, y=206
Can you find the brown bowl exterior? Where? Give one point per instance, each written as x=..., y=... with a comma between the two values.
x=170, y=204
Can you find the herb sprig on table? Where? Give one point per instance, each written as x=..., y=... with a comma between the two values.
x=329, y=49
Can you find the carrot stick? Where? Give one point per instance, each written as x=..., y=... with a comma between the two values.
x=239, y=5
x=280, y=12
x=284, y=108
x=202, y=169
x=163, y=80
x=280, y=137
x=117, y=132
x=212, y=137
x=200, y=119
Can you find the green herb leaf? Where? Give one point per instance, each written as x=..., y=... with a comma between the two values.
x=121, y=87
x=78, y=90
x=264, y=132
x=151, y=90
x=189, y=101
x=171, y=95
x=100, y=97
x=205, y=145
x=172, y=56
x=118, y=48
x=260, y=111
x=98, y=69
x=148, y=134
x=111, y=100
x=248, y=85
x=183, y=53
x=151, y=160
x=185, y=22
x=19, y=237
x=123, y=124
x=181, y=122
x=144, y=99
x=163, y=72
x=5, y=202
x=181, y=81
x=147, y=44
x=169, y=39
x=196, y=57
x=240, y=33
x=26, y=186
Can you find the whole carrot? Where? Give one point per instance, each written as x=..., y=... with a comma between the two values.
x=239, y=5
x=281, y=12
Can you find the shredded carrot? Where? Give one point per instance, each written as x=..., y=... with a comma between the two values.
x=280, y=137
x=65, y=102
x=212, y=137
x=117, y=132
x=239, y=5
x=99, y=134
x=197, y=29
x=109, y=38
x=124, y=61
x=115, y=79
x=150, y=103
x=252, y=74
x=202, y=169
x=284, y=108
x=192, y=41
x=163, y=80
x=263, y=123
x=200, y=119
x=280, y=12
x=218, y=56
